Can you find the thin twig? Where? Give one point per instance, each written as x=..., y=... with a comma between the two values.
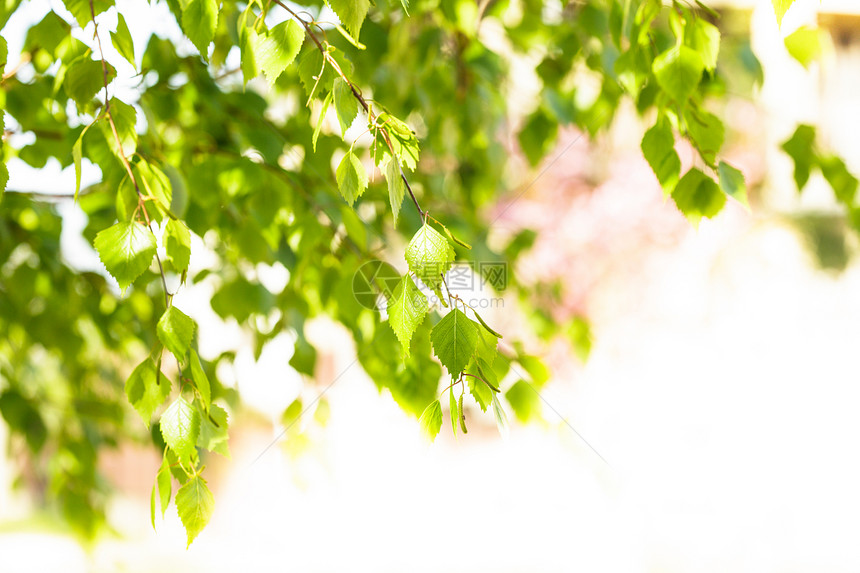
x=355, y=92
x=121, y=151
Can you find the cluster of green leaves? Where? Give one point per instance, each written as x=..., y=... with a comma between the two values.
x=257, y=170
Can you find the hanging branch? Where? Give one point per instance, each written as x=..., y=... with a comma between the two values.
x=355, y=92
x=140, y=198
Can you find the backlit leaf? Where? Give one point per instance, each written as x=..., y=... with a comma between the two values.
x=454, y=339
x=276, y=50
x=180, y=426
x=126, y=250
x=430, y=421
x=430, y=256
x=175, y=330
x=658, y=147
x=406, y=311
x=351, y=178
x=678, y=72
x=194, y=504
x=146, y=389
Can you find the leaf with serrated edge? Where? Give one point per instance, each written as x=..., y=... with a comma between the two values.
x=199, y=22
x=345, y=104
x=146, y=389
x=351, y=13
x=454, y=339
x=430, y=255
x=175, y=330
x=431, y=420
x=275, y=51
x=406, y=311
x=351, y=178
x=194, y=504
x=180, y=426
x=679, y=71
x=213, y=431
x=658, y=148
x=126, y=250
x=121, y=40
x=177, y=244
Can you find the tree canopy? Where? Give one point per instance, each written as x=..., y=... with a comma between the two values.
x=334, y=140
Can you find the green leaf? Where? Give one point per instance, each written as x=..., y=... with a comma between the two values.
x=175, y=330
x=396, y=186
x=351, y=13
x=462, y=414
x=801, y=148
x=780, y=7
x=84, y=79
x=180, y=426
x=430, y=255
x=733, y=184
x=124, y=118
x=406, y=311
x=430, y=421
x=80, y=9
x=201, y=381
x=476, y=382
x=843, y=183
x=177, y=245
x=146, y=389
x=678, y=71
x=126, y=250
x=213, y=431
x=122, y=42
x=194, y=504
x=704, y=37
x=248, y=39
x=453, y=409
x=697, y=196
x=155, y=186
x=199, y=21
x=345, y=104
x=275, y=51
x=804, y=45
x=165, y=484
x=706, y=131
x=524, y=401
x=501, y=417
x=658, y=147
x=351, y=178
x=321, y=119
x=454, y=339
x=304, y=358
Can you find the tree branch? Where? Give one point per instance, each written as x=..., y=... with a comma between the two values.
x=355, y=92
x=121, y=153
